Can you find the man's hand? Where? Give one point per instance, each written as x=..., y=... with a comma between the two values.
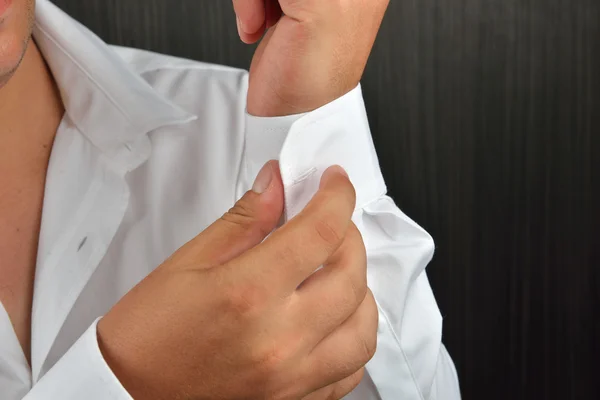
x=313, y=54
x=232, y=315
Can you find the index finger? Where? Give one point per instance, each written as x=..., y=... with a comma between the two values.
x=295, y=251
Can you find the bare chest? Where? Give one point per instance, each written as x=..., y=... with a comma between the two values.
x=20, y=215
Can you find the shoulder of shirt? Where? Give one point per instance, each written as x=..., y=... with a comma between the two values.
x=144, y=62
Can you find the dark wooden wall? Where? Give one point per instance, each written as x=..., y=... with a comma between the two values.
x=486, y=115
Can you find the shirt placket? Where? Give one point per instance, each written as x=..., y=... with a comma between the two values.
x=69, y=264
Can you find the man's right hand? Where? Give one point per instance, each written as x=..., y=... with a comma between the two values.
x=232, y=315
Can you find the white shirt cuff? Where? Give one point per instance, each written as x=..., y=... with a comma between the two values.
x=81, y=373
x=307, y=144
x=406, y=362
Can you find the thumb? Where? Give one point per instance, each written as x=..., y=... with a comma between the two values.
x=244, y=226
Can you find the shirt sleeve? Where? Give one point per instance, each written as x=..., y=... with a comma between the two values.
x=81, y=373
x=410, y=362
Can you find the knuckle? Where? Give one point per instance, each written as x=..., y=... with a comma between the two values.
x=344, y=387
x=357, y=266
x=289, y=252
x=272, y=358
x=240, y=214
x=357, y=290
x=244, y=218
x=270, y=364
x=366, y=331
x=329, y=232
x=367, y=346
x=246, y=301
x=369, y=337
x=373, y=311
x=357, y=242
x=358, y=377
x=355, y=379
x=347, y=301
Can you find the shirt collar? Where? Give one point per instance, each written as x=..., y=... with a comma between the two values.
x=107, y=101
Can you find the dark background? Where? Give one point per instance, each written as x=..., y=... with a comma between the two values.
x=486, y=116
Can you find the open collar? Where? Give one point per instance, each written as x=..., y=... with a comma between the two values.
x=112, y=109
x=108, y=102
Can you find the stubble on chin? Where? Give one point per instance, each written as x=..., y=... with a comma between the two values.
x=6, y=75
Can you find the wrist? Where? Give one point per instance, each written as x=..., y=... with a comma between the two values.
x=264, y=101
x=117, y=356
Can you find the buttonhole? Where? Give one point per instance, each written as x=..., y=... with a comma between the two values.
x=81, y=244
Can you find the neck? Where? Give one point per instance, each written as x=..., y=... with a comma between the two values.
x=30, y=112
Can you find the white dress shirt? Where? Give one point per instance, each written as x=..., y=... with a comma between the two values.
x=151, y=150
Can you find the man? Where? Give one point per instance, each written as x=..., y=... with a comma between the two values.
x=122, y=273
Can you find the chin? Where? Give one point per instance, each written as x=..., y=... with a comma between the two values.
x=15, y=31
x=12, y=51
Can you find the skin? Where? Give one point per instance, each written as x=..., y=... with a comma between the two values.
x=230, y=315
x=15, y=31
x=30, y=112
x=313, y=54
x=266, y=327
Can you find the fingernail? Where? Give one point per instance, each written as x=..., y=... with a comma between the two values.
x=331, y=172
x=263, y=180
x=239, y=25
x=337, y=169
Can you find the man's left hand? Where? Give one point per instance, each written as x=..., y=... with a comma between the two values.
x=313, y=52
